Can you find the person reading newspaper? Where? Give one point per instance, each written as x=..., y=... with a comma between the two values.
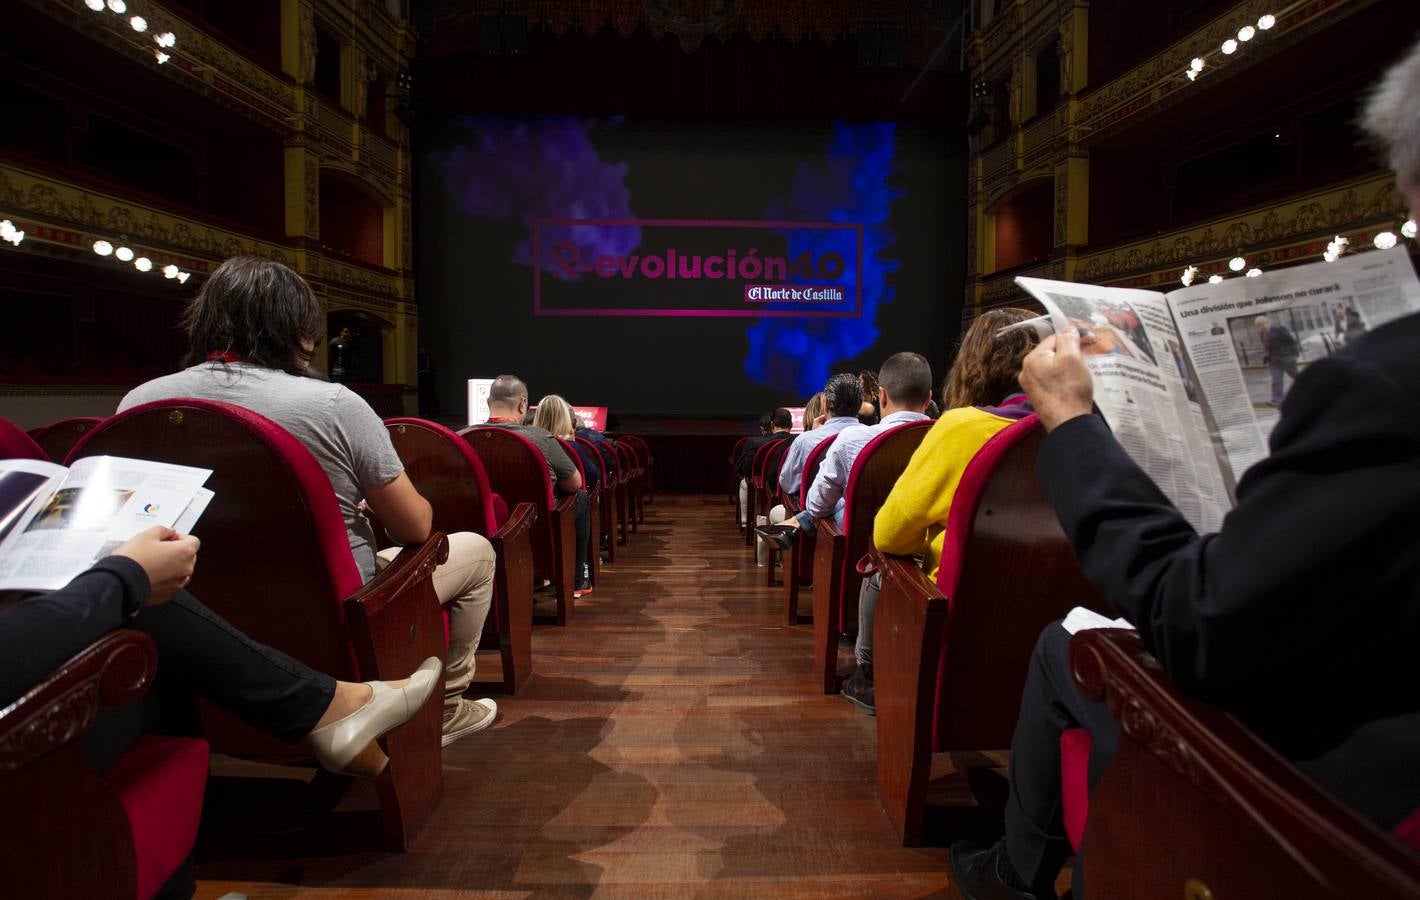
x=1299, y=614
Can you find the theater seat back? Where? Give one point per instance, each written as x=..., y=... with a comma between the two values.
x=812, y=462
x=447, y=472
x=16, y=444
x=59, y=438
x=517, y=470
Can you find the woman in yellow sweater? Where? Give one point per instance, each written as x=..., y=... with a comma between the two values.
x=982, y=396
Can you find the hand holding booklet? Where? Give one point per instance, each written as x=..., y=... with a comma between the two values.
x=57, y=522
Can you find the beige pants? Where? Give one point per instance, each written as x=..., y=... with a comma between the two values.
x=465, y=587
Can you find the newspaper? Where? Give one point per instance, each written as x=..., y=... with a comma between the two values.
x=1191, y=381
x=57, y=522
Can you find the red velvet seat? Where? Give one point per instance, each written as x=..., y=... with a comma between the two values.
x=756, y=485
x=767, y=492
x=630, y=501
x=60, y=437
x=950, y=659
x=70, y=832
x=637, y=462
x=837, y=580
x=276, y=563
x=446, y=471
x=16, y=444
x=1214, y=810
x=799, y=568
x=609, y=485
x=517, y=470
x=647, y=463
x=594, y=510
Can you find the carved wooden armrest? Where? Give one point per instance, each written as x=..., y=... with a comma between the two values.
x=395, y=621
x=115, y=670
x=907, y=577
x=1233, y=767
x=828, y=529
x=564, y=507
x=791, y=507
x=519, y=522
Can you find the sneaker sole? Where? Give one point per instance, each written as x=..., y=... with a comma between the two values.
x=480, y=725
x=870, y=710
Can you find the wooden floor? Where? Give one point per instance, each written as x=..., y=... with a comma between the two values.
x=671, y=743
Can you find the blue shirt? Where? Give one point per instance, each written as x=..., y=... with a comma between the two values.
x=825, y=496
x=791, y=476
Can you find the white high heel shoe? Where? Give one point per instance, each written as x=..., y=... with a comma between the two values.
x=348, y=745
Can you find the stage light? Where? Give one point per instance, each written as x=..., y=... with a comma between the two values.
x=1189, y=274
x=1229, y=47
x=1197, y=64
x=1408, y=229
x=103, y=248
x=143, y=264
x=170, y=271
x=161, y=57
x=1215, y=279
x=166, y=39
x=1254, y=272
x=95, y=5
x=1266, y=22
x=118, y=6
x=1237, y=264
x=182, y=277
x=139, y=24
x=1385, y=240
x=1246, y=33
x=123, y=254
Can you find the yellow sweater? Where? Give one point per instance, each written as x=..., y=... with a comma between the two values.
x=914, y=516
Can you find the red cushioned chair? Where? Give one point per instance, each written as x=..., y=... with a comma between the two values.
x=735, y=478
x=755, y=484
x=799, y=567
x=276, y=563
x=71, y=832
x=646, y=461
x=768, y=495
x=950, y=659
x=16, y=444
x=837, y=580
x=609, y=486
x=1213, y=810
x=445, y=470
x=594, y=509
x=631, y=485
x=517, y=470
x=59, y=438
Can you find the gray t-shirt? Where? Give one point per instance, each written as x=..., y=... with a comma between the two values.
x=345, y=435
x=559, y=465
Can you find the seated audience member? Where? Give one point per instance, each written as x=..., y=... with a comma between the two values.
x=1300, y=616
x=778, y=426
x=555, y=416
x=252, y=330
x=843, y=395
x=139, y=586
x=813, y=411
x=983, y=396
x=871, y=411
x=507, y=406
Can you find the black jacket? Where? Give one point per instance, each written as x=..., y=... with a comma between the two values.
x=745, y=461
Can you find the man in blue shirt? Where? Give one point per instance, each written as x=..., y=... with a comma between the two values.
x=843, y=395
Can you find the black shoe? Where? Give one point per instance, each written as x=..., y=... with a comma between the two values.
x=780, y=537
x=858, y=689
x=985, y=873
x=583, y=587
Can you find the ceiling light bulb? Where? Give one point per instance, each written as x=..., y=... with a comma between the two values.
x=182, y=277
x=1266, y=22
x=1237, y=263
x=118, y=6
x=95, y=5
x=103, y=248
x=1197, y=64
x=170, y=271
x=1246, y=33
x=143, y=264
x=1192, y=74
x=1215, y=279
x=139, y=24
x=1189, y=274
x=1385, y=240
x=161, y=57
x=1229, y=47
x=1330, y=255
x=1254, y=272
x=1408, y=229
x=166, y=39
x=124, y=254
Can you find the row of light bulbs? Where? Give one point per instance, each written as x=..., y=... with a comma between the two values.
x=1384, y=240
x=165, y=40
x=1231, y=45
x=123, y=253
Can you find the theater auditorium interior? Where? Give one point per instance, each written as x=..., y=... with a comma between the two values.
x=460, y=448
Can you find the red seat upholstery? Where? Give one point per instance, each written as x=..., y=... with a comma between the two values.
x=1075, y=747
x=59, y=438
x=630, y=500
x=446, y=471
x=160, y=781
x=756, y=487
x=645, y=461
x=799, y=569
x=836, y=577
x=594, y=510
x=768, y=494
x=606, y=532
x=276, y=563
x=951, y=658
x=16, y=444
x=517, y=469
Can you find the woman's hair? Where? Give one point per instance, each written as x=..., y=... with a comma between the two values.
x=258, y=310
x=987, y=368
x=869, y=381
x=812, y=410
x=554, y=415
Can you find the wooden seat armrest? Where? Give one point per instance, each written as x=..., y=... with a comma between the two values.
x=519, y=522
x=1221, y=757
x=394, y=619
x=791, y=507
x=115, y=670
x=828, y=529
x=907, y=577
x=565, y=505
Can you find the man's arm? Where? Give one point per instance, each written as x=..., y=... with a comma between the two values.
x=792, y=472
x=406, y=516
x=831, y=480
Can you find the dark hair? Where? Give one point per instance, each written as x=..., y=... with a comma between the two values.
x=987, y=368
x=257, y=309
x=843, y=394
x=907, y=378
x=764, y=420
x=782, y=418
x=507, y=390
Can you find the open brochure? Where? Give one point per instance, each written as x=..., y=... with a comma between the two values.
x=1190, y=381
x=57, y=522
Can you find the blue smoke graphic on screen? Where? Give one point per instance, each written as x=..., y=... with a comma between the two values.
x=797, y=355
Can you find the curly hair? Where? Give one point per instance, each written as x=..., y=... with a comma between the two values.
x=258, y=310
x=987, y=368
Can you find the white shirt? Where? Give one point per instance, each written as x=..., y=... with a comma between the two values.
x=825, y=496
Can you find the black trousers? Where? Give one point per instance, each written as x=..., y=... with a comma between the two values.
x=1050, y=704
x=582, y=521
x=200, y=654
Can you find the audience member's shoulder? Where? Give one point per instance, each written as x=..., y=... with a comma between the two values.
x=1392, y=348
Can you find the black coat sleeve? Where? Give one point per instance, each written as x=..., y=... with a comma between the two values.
x=38, y=634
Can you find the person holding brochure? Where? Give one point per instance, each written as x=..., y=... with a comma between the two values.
x=1300, y=615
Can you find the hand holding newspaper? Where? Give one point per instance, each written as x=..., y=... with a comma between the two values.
x=1191, y=381
x=57, y=522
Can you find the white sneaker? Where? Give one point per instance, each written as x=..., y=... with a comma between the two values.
x=468, y=717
